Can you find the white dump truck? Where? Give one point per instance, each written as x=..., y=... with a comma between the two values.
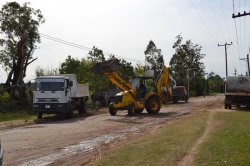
x=59, y=94
x=237, y=91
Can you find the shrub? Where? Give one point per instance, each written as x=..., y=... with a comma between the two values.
x=5, y=99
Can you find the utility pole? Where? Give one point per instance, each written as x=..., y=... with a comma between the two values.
x=235, y=72
x=248, y=64
x=205, y=86
x=188, y=80
x=240, y=15
x=225, y=45
x=247, y=60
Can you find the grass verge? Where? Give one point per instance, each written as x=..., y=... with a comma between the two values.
x=229, y=144
x=164, y=147
x=10, y=116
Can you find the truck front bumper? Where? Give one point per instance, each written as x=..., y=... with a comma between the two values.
x=50, y=108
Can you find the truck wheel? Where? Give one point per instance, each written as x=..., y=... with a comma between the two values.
x=112, y=110
x=226, y=106
x=153, y=105
x=81, y=108
x=131, y=109
x=70, y=112
x=39, y=115
x=186, y=99
x=175, y=100
x=138, y=111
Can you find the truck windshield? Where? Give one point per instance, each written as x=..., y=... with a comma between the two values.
x=50, y=85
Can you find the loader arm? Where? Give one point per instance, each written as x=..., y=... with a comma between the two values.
x=108, y=69
x=118, y=81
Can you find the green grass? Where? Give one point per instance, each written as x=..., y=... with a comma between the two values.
x=10, y=116
x=165, y=147
x=229, y=144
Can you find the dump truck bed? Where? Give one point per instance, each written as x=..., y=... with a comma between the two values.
x=240, y=84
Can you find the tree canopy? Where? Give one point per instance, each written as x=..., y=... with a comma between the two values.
x=19, y=28
x=82, y=69
x=154, y=58
x=186, y=62
x=215, y=83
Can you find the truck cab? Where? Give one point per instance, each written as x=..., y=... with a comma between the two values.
x=58, y=95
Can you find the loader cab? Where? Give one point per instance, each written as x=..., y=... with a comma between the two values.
x=142, y=85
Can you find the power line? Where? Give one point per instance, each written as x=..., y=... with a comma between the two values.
x=216, y=19
x=65, y=42
x=233, y=6
x=202, y=20
x=244, y=25
x=224, y=17
x=82, y=47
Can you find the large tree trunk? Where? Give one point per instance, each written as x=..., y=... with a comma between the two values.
x=16, y=86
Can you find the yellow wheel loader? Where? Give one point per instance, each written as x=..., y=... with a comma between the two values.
x=139, y=92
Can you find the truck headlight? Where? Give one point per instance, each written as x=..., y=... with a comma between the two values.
x=35, y=106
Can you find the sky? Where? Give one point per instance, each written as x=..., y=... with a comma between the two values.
x=124, y=28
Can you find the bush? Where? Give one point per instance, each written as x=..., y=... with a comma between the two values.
x=4, y=100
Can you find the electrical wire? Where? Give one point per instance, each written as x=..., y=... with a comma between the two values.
x=82, y=47
x=65, y=42
x=203, y=22
x=216, y=19
x=224, y=16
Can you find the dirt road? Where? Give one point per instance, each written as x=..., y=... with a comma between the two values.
x=57, y=143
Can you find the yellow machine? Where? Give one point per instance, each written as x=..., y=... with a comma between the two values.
x=139, y=92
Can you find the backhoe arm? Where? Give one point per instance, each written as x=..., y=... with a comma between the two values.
x=164, y=80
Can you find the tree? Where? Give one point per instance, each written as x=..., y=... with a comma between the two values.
x=139, y=69
x=96, y=55
x=186, y=62
x=70, y=65
x=19, y=27
x=215, y=83
x=124, y=67
x=45, y=71
x=154, y=58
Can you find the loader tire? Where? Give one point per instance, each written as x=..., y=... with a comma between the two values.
x=153, y=105
x=112, y=110
x=131, y=109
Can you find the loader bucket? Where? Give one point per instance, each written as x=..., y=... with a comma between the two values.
x=105, y=67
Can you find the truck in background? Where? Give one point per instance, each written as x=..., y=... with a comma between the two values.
x=59, y=94
x=237, y=91
x=179, y=94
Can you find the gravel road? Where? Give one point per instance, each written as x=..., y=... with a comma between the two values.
x=58, y=142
